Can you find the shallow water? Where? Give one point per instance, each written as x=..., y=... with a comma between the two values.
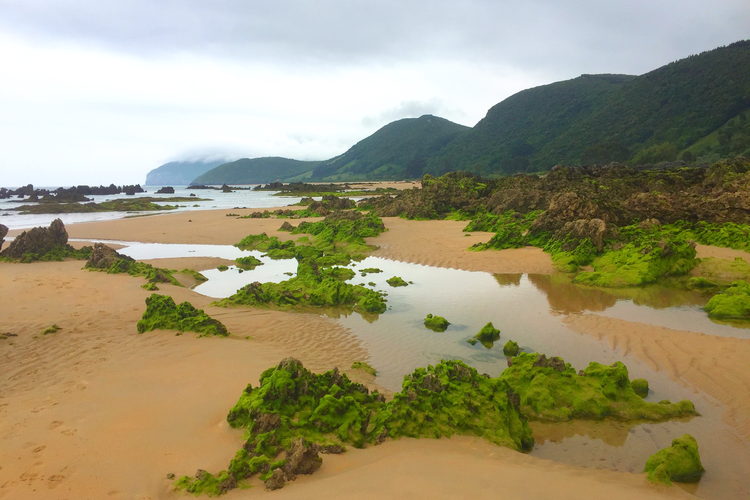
x=528, y=309
x=215, y=200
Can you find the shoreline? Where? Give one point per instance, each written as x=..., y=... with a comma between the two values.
x=96, y=381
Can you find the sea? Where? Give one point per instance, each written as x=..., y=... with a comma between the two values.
x=214, y=199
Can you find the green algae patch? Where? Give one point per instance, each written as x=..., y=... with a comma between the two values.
x=487, y=336
x=681, y=462
x=727, y=234
x=453, y=398
x=640, y=386
x=271, y=245
x=732, y=303
x=436, y=323
x=312, y=286
x=511, y=229
x=150, y=286
x=551, y=390
x=635, y=264
x=51, y=329
x=343, y=232
x=365, y=367
x=294, y=415
x=163, y=314
x=248, y=263
x=370, y=270
x=511, y=348
x=222, y=267
x=396, y=281
x=105, y=259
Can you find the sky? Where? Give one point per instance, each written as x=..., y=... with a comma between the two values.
x=101, y=91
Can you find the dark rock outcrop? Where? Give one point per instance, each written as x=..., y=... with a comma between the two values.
x=38, y=240
x=3, y=232
x=102, y=257
x=166, y=190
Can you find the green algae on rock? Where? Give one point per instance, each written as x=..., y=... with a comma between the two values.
x=640, y=386
x=487, y=336
x=436, y=323
x=680, y=462
x=106, y=259
x=51, y=329
x=248, y=263
x=732, y=303
x=551, y=390
x=511, y=348
x=365, y=367
x=294, y=415
x=396, y=281
x=162, y=313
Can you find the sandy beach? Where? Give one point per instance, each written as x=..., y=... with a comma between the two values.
x=99, y=411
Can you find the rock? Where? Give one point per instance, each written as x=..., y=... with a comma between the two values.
x=266, y=422
x=286, y=226
x=554, y=362
x=680, y=462
x=166, y=190
x=3, y=232
x=38, y=240
x=301, y=458
x=276, y=481
x=593, y=229
x=102, y=257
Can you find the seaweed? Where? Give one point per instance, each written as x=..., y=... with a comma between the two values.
x=551, y=390
x=313, y=285
x=162, y=313
x=436, y=323
x=365, y=367
x=487, y=336
x=370, y=270
x=222, y=267
x=294, y=414
x=733, y=303
x=396, y=281
x=343, y=232
x=640, y=386
x=511, y=348
x=51, y=329
x=680, y=462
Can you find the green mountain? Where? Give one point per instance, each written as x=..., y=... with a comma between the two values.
x=179, y=173
x=255, y=171
x=673, y=112
x=399, y=150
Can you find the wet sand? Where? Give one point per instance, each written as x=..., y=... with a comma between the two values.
x=96, y=410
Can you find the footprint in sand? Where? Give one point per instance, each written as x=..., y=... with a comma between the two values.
x=54, y=481
x=55, y=424
x=39, y=449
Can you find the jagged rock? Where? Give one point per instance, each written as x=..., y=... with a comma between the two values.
x=3, y=232
x=276, y=481
x=286, y=226
x=593, y=229
x=554, y=362
x=302, y=457
x=266, y=422
x=38, y=240
x=102, y=257
x=166, y=190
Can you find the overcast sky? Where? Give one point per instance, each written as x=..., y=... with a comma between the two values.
x=100, y=91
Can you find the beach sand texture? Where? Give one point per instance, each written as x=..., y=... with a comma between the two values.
x=99, y=411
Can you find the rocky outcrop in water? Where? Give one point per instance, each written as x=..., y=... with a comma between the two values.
x=39, y=240
x=166, y=190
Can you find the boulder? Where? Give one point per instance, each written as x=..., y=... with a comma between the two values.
x=166, y=190
x=38, y=240
x=3, y=232
x=102, y=257
x=579, y=229
x=302, y=457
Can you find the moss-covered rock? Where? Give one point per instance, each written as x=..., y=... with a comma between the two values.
x=640, y=386
x=370, y=270
x=222, y=267
x=106, y=259
x=731, y=304
x=396, y=281
x=551, y=390
x=312, y=286
x=51, y=329
x=436, y=323
x=680, y=462
x=294, y=415
x=43, y=244
x=487, y=335
x=511, y=348
x=162, y=313
x=365, y=367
